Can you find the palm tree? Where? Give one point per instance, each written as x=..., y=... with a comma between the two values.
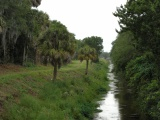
x=87, y=53
x=56, y=46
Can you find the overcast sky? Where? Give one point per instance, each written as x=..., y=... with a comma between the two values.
x=86, y=18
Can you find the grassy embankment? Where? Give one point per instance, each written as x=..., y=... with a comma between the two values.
x=29, y=93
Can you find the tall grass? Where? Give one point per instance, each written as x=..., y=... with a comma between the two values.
x=72, y=97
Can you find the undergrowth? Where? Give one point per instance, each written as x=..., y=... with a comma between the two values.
x=32, y=95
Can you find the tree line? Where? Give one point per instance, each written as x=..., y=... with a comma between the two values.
x=28, y=36
x=136, y=52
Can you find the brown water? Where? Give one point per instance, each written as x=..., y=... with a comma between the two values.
x=118, y=103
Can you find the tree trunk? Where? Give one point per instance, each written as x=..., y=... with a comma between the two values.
x=24, y=55
x=4, y=45
x=36, y=56
x=55, y=71
x=87, y=61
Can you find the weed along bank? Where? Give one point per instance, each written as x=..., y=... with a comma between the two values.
x=29, y=93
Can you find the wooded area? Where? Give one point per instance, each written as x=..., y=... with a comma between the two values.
x=29, y=37
x=136, y=53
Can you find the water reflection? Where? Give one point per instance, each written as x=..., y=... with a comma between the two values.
x=109, y=108
x=118, y=103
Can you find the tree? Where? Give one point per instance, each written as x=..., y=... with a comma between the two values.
x=38, y=23
x=122, y=51
x=79, y=45
x=13, y=15
x=57, y=46
x=87, y=53
x=141, y=17
x=94, y=42
x=105, y=55
x=19, y=27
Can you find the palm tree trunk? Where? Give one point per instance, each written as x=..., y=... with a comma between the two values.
x=55, y=71
x=87, y=61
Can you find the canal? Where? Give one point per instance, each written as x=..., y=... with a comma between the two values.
x=118, y=103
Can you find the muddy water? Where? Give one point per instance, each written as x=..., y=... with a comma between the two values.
x=118, y=103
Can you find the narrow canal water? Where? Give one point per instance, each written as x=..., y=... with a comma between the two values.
x=117, y=104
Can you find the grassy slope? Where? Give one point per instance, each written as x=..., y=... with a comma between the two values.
x=29, y=93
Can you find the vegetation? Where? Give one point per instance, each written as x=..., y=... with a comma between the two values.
x=122, y=52
x=29, y=38
x=20, y=29
x=29, y=93
x=93, y=42
x=136, y=54
x=57, y=46
x=105, y=55
x=87, y=53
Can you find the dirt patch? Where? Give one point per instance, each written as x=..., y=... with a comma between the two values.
x=7, y=68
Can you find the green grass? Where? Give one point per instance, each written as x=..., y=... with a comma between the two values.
x=31, y=95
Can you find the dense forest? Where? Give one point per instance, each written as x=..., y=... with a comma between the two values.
x=28, y=36
x=136, y=53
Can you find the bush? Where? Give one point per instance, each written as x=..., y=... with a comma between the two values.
x=140, y=71
x=141, y=77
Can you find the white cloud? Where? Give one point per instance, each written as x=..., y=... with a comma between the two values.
x=86, y=18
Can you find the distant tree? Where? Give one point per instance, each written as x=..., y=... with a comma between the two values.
x=79, y=45
x=94, y=42
x=57, y=46
x=105, y=55
x=87, y=53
